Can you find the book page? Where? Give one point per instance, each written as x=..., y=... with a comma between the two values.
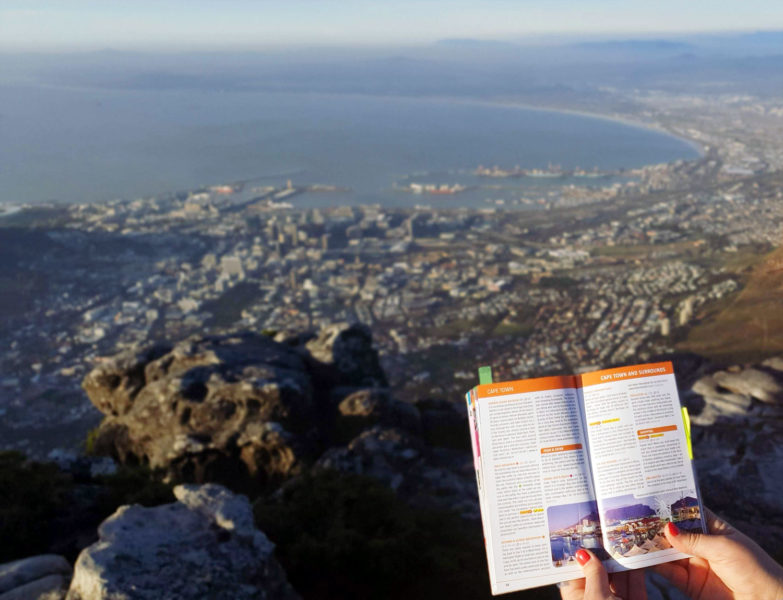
x=641, y=467
x=470, y=401
x=538, y=506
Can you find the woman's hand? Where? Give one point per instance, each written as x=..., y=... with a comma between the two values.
x=726, y=565
x=598, y=585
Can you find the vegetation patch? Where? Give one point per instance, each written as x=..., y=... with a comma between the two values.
x=31, y=496
x=750, y=328
x=346, y=536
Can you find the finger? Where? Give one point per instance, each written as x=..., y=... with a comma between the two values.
x=676, y=572
x=596, y=579
x=716, y=525
x=618, y=583
x=637, y=590
x=695, y=544
x=572, y=590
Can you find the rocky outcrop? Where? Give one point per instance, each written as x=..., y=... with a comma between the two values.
x=203, y=546
x=362, y=409
x=246, y=409
x=344, y=356
x=425, y=476
x=738, y=447
x=44, y=577
x=223, y=407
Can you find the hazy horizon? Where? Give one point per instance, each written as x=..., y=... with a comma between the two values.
x=238, y=24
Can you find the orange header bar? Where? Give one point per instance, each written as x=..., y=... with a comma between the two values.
x=623, y=373
x=521, y=386
x=561, y=448
x=657, y=430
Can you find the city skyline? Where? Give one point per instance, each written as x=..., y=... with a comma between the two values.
x=87, y=24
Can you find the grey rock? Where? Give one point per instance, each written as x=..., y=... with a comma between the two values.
x=751, y=382
x=27, y=570
x=114, y=383
x=185, y=410
x=348, y=351
x=775, y=363
x=51, y=587
x=217, y=503
x=383, y=453
x=738, y=449
x=427, y=477
x=365, y=408
x=718, y=402
x=203, y=546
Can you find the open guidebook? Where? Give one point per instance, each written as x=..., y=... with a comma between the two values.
x=600, y=460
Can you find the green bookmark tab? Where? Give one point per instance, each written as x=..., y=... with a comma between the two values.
x=686, y=421
x=485, y=375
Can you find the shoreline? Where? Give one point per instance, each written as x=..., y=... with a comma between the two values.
x=6, y=210
x=490, y=103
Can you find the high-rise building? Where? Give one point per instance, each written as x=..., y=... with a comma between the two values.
x=666, y=327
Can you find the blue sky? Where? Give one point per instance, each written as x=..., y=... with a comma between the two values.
x=568, y=514
x=61, y=24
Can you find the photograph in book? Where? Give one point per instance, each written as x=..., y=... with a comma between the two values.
x=571, y=527
x=634, y=525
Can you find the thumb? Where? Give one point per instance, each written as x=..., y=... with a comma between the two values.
x=596, y=579
x=695, y=544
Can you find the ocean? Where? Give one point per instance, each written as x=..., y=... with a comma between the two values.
x=89, y=145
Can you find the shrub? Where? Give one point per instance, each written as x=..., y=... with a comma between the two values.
x=134, y=485
x=31, y=495
x=89, y=441
x=346, y=536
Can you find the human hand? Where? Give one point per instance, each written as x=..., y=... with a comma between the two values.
x=725, y=565
x=599, y=585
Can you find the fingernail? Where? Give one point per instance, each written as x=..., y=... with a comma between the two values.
x=673, y=529
x=582, y=556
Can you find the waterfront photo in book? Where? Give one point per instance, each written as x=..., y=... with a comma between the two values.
x=634, y=525
x=571, y=527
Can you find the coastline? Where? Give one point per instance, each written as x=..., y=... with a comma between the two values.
x=694, y=147
x=627, y=121
x=488, y=102
x=6, y=210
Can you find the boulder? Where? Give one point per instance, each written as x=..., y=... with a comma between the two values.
x=343, y=354
x=437, y=478
x=44, y=577
x=114, y=382
x=751, y=383
x=362, y=409
x=738, y=448
x=209, y=408
x=386, y=454
x=775, y=363
x=202, y=546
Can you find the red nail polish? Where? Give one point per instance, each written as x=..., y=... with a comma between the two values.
x=673, y=529
x=582, y=556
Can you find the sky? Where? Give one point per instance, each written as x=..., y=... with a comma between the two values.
x=568, y=514
x=195, y=24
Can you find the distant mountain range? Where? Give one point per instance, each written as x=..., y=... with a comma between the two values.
x=685, y=502
x=657, y=47
x=591, y=516
x=539, y=70
x=637, y=511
